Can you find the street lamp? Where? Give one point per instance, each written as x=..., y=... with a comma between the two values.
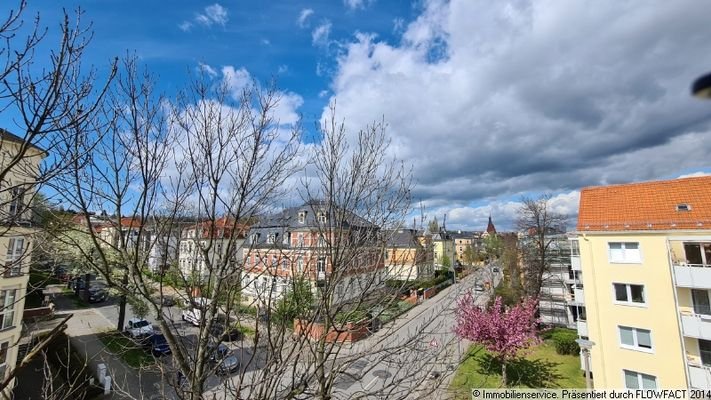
x=585, y=347
x=702, y=87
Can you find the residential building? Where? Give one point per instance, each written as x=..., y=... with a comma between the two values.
x=644, y=250
x=406, y=256
x=557, y=303
x=464, y=240
x=208, y=245
x=443, y=248
x=301, y=242
x=16, y=191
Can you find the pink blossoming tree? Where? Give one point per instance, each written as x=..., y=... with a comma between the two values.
x=506, y=332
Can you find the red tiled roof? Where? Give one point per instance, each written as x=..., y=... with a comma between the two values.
x=647, y=206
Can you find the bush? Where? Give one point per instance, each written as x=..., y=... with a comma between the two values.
x=564, y=341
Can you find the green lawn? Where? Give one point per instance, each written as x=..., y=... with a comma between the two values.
x=542, y=367
x=124, y=347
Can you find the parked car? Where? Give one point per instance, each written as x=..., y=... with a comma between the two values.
x=138, y=328
x=157, y=344
x=223, y=358
x=97, y=293
x=479, y=287
x=228, y=365
x=165, y=300
x=195, y=309
x=224, y=330
x=496, y=269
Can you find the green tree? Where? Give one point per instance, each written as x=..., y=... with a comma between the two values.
x=446, y=262
x=296, y=302
x=470, y=255
x=494, y=246
x=138, y=306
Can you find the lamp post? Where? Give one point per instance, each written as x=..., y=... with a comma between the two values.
x=702, y=87
x=585, y=347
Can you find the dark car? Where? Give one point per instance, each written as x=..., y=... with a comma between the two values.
x=165, y=300
x=97, y=293
x=158, y=344
x=217, y=352
x=225, y=331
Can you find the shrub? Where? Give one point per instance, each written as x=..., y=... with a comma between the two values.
x=564, y=341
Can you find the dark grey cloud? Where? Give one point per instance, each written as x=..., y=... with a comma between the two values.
x=543, y=96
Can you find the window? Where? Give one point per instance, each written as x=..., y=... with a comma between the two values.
x=638, y=380
x=705, y=351
x=698, y=253
x=683, y=207
x=321, y=241
x=322, y=217
x=635, y=338
x=321, y=264
x=270, y=238
x=275, y=261
x=285, y=264
x=574, y=248
x=300, y=264
x=302, y=217
x=255, y=238
x=300, y=239
x=13, y=266
x=16, y=202
x=626, y=293
x=274, y=285
x=7, y=308
x=3, y=359
x=624, y=252
x=700, y=300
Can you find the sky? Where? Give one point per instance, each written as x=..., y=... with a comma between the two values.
x=488, y=100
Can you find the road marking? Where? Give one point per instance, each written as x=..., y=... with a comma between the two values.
x=371, y=383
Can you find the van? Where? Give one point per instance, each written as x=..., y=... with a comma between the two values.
x=194, y=310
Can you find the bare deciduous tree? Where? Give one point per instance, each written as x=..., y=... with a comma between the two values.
x=538, y=223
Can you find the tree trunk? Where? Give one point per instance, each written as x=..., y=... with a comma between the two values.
x=503, y=373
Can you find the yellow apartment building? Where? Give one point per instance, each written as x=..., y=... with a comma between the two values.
x=16, y=190
x=644, y=253
x=405, y=256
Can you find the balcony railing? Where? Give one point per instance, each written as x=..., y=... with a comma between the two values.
x=582, y=327
x=575, y=263
x=694, y=276
x=699, y=375
x=696, y=325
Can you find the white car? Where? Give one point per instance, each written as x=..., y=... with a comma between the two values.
x=138, y=328
x=195, y=309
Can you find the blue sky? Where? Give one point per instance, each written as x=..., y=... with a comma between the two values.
x=488, y=100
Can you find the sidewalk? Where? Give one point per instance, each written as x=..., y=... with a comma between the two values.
x=83, y=329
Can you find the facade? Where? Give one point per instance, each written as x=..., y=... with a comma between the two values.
x=406, y=257
x=443, y=245
x=462, y=241
x=208, y=244
x=557, y=303
x=645, y=253
x=300, y=243
x=15, y=242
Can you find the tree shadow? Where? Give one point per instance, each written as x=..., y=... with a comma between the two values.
x=536, y=373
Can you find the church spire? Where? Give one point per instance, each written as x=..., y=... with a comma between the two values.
x=490, y=228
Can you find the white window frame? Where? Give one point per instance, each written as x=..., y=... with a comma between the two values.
x=639, y=379
x=322, y=217
x=302, y=217
x=270, y=238
x=13, y=266
x=300, y=239
x=8, y=309
x=635, y=346
x=628, y=290
x=300, y=264
x=321, y=241
x=285, y=264
x=321, y=265
x=626, y=258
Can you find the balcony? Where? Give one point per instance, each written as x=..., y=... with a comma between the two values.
x=696, y=326
x=582, y=328
x=575, y=263
x=699, y=376
x=693, y=276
